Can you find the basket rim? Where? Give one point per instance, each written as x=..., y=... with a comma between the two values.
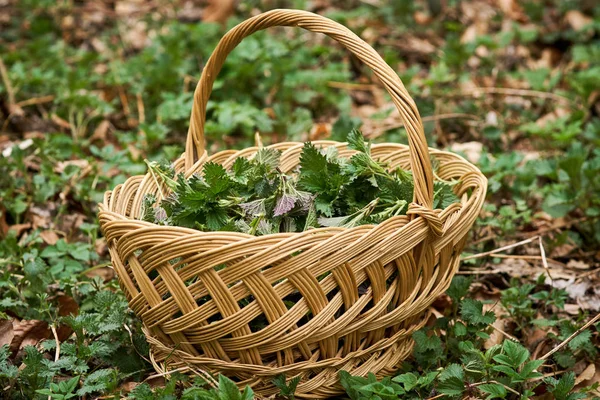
x=292, y=146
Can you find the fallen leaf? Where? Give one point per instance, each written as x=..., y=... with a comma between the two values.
x=49, y=237
x=320, y=131
x=20, y=228
x=3, y=224
x=572, y=309
x=106, y=273
x=218, y=11
x=577, y=20
x=127, y=387
x=60, y=122
x=101, y=131
x=6, y=332
x=533, y=339
x=66, y=306
x=469, y=35
x=587, y=374
x=471, y=150
x=551, y=116
x=496, y=337
x=577, y=264
x=28, y=332
x=422, y=18
x=61, y=165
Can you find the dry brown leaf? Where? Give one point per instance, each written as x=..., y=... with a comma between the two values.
x=136, y=35
x=101, y=131
x=28, y=332
x=6, y=332
x=471, y=150
x=101, y=247
x=422, y=18
x=61, y=165
x=469, y=35
x=320, y=131
x=572, y=309
x=66, y=306
x=496, y=337
x=533, y=339
x=562, y=250
x=20, y=228
x=106, y=273
x=590, y=381
x=417, y=45
x=127, y=387
x=60, y=122
x=577, y=20
x=218, y=11
x=587, y=374
x=577, y=264
x=551, y=116
x=49, y=237
x=3, y=224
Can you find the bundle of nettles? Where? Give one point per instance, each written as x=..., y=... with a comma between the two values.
x=257, y=198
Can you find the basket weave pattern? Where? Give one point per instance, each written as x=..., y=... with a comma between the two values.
x=304, y=304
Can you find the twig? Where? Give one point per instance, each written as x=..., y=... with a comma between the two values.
x=530, y=257
x=439, y=396
x=508, y=335
x=506, y=387
x=124, y=101
x=57, y=351
x=429, y=118
x=141, y=109
x=539, y=232
x=544, y=261
x=351, y=86
x=500, y=249
x=36, y=100
x=567, y=340
x=9, y=89
x=515, y=92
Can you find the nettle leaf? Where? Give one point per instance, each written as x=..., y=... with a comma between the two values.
x=409, y=380
x=561, y=388
x=564, y=359
x=581, y=340
x=528, y=371
x=267, y=156
x=513, y=354
x=255, y=197
x=356, y=141
x=459, y=287
x=452, y=380
x=493, y=390
x=472, y=312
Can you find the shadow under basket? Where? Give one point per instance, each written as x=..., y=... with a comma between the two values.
x=305, y=304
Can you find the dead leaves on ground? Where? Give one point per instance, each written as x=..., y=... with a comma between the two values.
x=18, y=333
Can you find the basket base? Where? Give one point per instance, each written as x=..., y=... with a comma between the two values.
x=319, y=379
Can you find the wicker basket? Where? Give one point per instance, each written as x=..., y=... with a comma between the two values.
x=359, y=293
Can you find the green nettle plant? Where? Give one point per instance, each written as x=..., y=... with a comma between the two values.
x=452, y=361
x=257, y=198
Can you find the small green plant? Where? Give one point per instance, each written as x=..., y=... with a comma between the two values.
x=61, y=391
x=256, y=197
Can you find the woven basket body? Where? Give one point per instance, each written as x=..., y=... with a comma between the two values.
x=301, y=304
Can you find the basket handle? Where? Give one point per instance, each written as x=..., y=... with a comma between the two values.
x=419, y=153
